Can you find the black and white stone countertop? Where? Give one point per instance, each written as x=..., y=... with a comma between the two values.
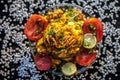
x=16, y=61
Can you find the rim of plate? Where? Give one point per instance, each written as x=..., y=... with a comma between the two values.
x=82, y=10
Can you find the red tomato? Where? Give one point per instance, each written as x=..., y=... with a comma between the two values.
x=43, y=62
x=84, y=58
x=96, y=27
x=34, y=27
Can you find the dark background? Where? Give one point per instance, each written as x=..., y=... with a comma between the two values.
x=106, y=67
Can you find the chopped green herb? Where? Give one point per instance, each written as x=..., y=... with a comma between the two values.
x=61, y=34
x=91, y=27
x=91, y=51
x=74, y=16
x=61, y=50
x=70, y=8
x=68, y=13
x=80, y=23
x=52, y=32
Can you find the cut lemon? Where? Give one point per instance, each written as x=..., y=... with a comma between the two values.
x=89, y=41
x=69, y=68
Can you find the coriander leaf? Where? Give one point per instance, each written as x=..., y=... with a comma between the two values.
x=52, y=32
x=80, y=23
x=91, y=27
x=91, y=51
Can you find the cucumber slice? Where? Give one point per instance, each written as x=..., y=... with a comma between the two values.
x=89, y=41
x=69, y=68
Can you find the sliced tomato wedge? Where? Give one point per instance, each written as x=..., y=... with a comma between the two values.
x=94, y=25
x=34, y=27
x=84, y=58
x=42, y=62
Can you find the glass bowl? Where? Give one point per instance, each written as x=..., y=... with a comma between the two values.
x=87, y=14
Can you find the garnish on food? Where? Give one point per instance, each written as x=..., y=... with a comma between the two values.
x=65, y=39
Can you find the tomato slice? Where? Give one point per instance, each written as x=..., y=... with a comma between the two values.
x=43, y=62
x=84, y=58
x=34, y=27
x=94, y=25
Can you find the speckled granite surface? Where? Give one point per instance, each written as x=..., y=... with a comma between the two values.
x=16, y=61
